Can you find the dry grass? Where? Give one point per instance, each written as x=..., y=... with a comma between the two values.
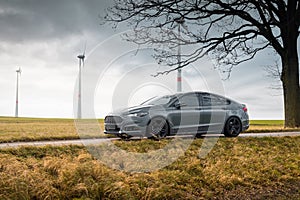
x=268, y=126
x=239, y=168
x=31, y=129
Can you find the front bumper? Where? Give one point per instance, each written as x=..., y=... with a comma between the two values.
x=130, y=126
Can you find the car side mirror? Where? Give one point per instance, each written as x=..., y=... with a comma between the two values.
x=178, y=105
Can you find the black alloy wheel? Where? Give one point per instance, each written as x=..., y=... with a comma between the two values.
x=233, y=127
x=157, y=128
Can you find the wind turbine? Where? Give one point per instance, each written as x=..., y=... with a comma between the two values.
x=81, y=65
x=19, y=71
x=180, y=22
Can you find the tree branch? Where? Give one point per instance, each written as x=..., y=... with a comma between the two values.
x=231, y=31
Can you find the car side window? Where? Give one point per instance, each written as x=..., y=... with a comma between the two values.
x=206, y=100
x=212, y=100
x=190, y=100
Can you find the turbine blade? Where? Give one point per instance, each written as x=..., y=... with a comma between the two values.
x=83, y=55
x=84, y=48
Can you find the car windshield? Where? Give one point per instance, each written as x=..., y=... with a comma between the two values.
x=159, y=100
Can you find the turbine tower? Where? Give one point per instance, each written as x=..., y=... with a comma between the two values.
x=81, y=65
x=19, y=71
x=180, y=22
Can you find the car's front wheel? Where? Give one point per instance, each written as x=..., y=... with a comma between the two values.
x=233, y=127
x=157, y=128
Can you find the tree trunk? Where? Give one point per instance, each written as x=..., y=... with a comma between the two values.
x=290, y=80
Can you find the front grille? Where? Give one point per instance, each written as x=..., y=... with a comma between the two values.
x=112, y=128
x=113, y=120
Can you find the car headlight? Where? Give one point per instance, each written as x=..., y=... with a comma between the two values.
x=138, y=114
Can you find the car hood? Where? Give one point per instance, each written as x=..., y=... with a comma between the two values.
x=125, y=111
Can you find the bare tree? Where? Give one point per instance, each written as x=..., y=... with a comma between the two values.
x=232, y=31
x=273, y=72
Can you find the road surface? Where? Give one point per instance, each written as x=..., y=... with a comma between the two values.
x=100, y=140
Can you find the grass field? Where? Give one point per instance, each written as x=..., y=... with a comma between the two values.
x=31, y=129
x=236, y=168
x=268, y=126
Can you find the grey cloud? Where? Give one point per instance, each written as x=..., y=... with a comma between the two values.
x=40, y=19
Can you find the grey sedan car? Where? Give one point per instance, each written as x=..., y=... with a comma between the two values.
x=193, y=113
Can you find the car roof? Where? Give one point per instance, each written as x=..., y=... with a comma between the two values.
x=194, y=92
x=179, y=94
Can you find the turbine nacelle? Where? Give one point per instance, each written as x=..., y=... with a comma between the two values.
x=81, y=57
x=19, y=71
x=179, y=20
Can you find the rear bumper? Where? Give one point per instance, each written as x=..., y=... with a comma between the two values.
x=245, y=125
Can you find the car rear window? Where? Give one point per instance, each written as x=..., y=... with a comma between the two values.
x=213, y=100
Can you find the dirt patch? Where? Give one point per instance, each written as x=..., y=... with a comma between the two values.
x=288, y=190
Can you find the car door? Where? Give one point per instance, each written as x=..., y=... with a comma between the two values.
x=185, y=115
x=213, y=112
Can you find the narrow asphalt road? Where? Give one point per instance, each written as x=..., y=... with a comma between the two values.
x=100, y=140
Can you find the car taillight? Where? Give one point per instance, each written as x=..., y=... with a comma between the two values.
x=245, y=109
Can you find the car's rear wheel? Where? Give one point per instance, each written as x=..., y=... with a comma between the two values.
x=157, y=128
x=233, y=127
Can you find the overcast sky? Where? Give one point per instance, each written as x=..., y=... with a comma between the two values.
x=45, y=37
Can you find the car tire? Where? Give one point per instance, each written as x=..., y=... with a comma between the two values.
x=233, y=127
x=124, y=136
x=157, y=128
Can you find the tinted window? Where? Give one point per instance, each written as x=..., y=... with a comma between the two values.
x=206, y=100
x=212, y=100
x=190, y=100
x=159, y=100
